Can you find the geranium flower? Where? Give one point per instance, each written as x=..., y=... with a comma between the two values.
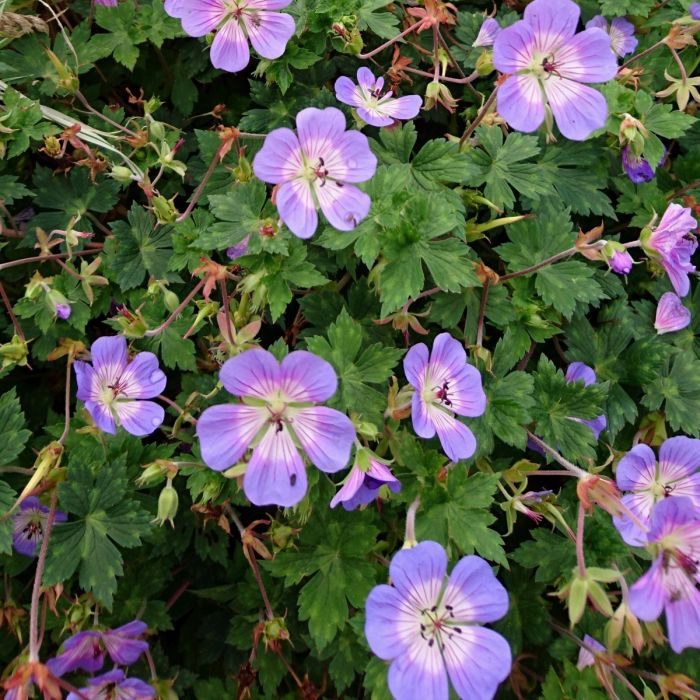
x=670, y=585
x=621, y=31
x=445, y=384
x=236, y=23
x=114, y=685
x=673, y=244
x=637, y=168
x=694, y=10
x=87, y=650
x=362, y=484
x=374, y=107
x=677, y=473
x=312, y=169
x=580, y=372
x=113, y=388
x=28, y=525
x=671, y=315
x=488, y=32
x=429, y=626
x=276, y=415
x=547, y=62
x=585, y=654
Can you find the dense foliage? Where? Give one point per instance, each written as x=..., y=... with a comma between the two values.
x=237, y=275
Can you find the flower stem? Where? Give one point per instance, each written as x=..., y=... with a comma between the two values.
x=227, y=313
x=42, y=258
x=580, y=558
x=533, y=268
x=66, y=425
x=178, y=310
x=679, y=63
x=482, y=312
x=99, y=114
x=569, y=466
x=479, y=117
x=36, y=590
x=386, y=44
x=641, y=54
x=8, y=307
x=410, y=533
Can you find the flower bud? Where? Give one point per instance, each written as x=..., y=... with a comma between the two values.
x=617, y=257
x=121, y=174
x=59, y=305
x=171, y=300
x=156, y=131
x=15, y=352
x=164, y=209
x=484, y=64
x=167, y=504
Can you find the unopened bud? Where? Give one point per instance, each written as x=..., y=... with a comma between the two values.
x=121, y=174
x=167, y=504
x=156, y=131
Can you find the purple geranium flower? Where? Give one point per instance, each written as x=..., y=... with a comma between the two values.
x=444, y=384
x=671, y=315
x=674, y=245
x=114, y=685
x=694, y=10
x=113, y=388
x=362, y=484
x=670, y=585
x=429, y=626
x=621, y=31
x=63, y=311
x=28, y=525
x=312, y=169
x=374, y=107
x=275, y=417
x=548, y=62
x=580, y=372
x=637, y=168
x=236, y=23
x=487, y=33
x=86, y=650
x=585, y=654
x=648, y=482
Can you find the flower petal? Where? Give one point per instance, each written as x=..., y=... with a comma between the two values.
x=474, y=593
x=325, y=434
x=275, y=473
x=390, y=625
x=352, y=485
x=419, y=674
x=307, y=377
x=102, y=415
x=344, y=206
x=268, y=4
x=296, y=207
x=280, y=157
x=406, y=107
x=109, y=358
x=87, y=380
x=366, y=79
x=226, y=431
x=349, y=158
x=199, y=17
x=269, y=32
x=423, y=424
x=683, y=618
x=319, y=131
x=587, y=57
x=229, y=50
x=648, y=595
x=255, y=373
x=122, y=648
x=637, y=469
x=552, y=22
x=679, y=457
x=579, y=372
x=477, y=660
x=641, y=504
x=513, y=48
x=414, y=364
x=143, y=378
x=347, y=92
x=456, y=439
x=520, y=102
x=578, y=109
x=375, y=116
x=139, y=417
x=466, y=393
x=622, y=38
x=419, y=573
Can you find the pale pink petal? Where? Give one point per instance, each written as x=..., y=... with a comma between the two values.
x=319, y=131
x=280, y=158
x=349, y=158
x=199, y=17
x=406, y=107
x=578, y=109
x=456, y=439
x=344, y=206
x=268, y=4
x=352, y=485
x=229, y=50
x=552, y=22
x=269, y=32
x=296, y=207
x=520, y=102
x=587, y=57
x=347, y=92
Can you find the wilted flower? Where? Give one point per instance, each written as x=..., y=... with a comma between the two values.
x=670, y=585
x=374, y=107
x=487, y=33
x=648, y=481
x=362, y=484
x=621, y=31
x=546, y=61
x=585, y=654
x=114, y=685
x=113, y=388
x=236, y=22
x=637, y=168
x=444, y=384
x=28, y=525
x=275, y=417
x=671, y=315
x=674, y=245
x=429, y=626
x=87, y=650
x=312, y=169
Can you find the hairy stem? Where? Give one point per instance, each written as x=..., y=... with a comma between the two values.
x=8, y=307
x=386, y=44
x=569, y=466
x=580, y=558
x=641, y=54
x=533, y=268
x=178, y=310
x=479, y=117
x=42, y=258
x=482, y=312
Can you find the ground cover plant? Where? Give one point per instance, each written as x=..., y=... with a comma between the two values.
x=347, y=349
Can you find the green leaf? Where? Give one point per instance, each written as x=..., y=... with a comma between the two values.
x=138, y=248
x=11, y=189
x=508, y=409
x=618, y=8
x=7, y=499
x=383, y=24
x=667, y=122
x=14, y=436
x=565, y=283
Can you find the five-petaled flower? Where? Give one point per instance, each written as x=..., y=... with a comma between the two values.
x=677, y=473
x=621, y=31
x=236, y=23
x=114, y=685
x=362, y=484
x=28, y=525
x=670, y=585
x=277, y=414
x=113, y=388
x=87, y=650
x=673, y=244
x=429, y=626
x=547, y=62
x=444, y=384
x=374, y=106
x=671, y=314
x=313, y=168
